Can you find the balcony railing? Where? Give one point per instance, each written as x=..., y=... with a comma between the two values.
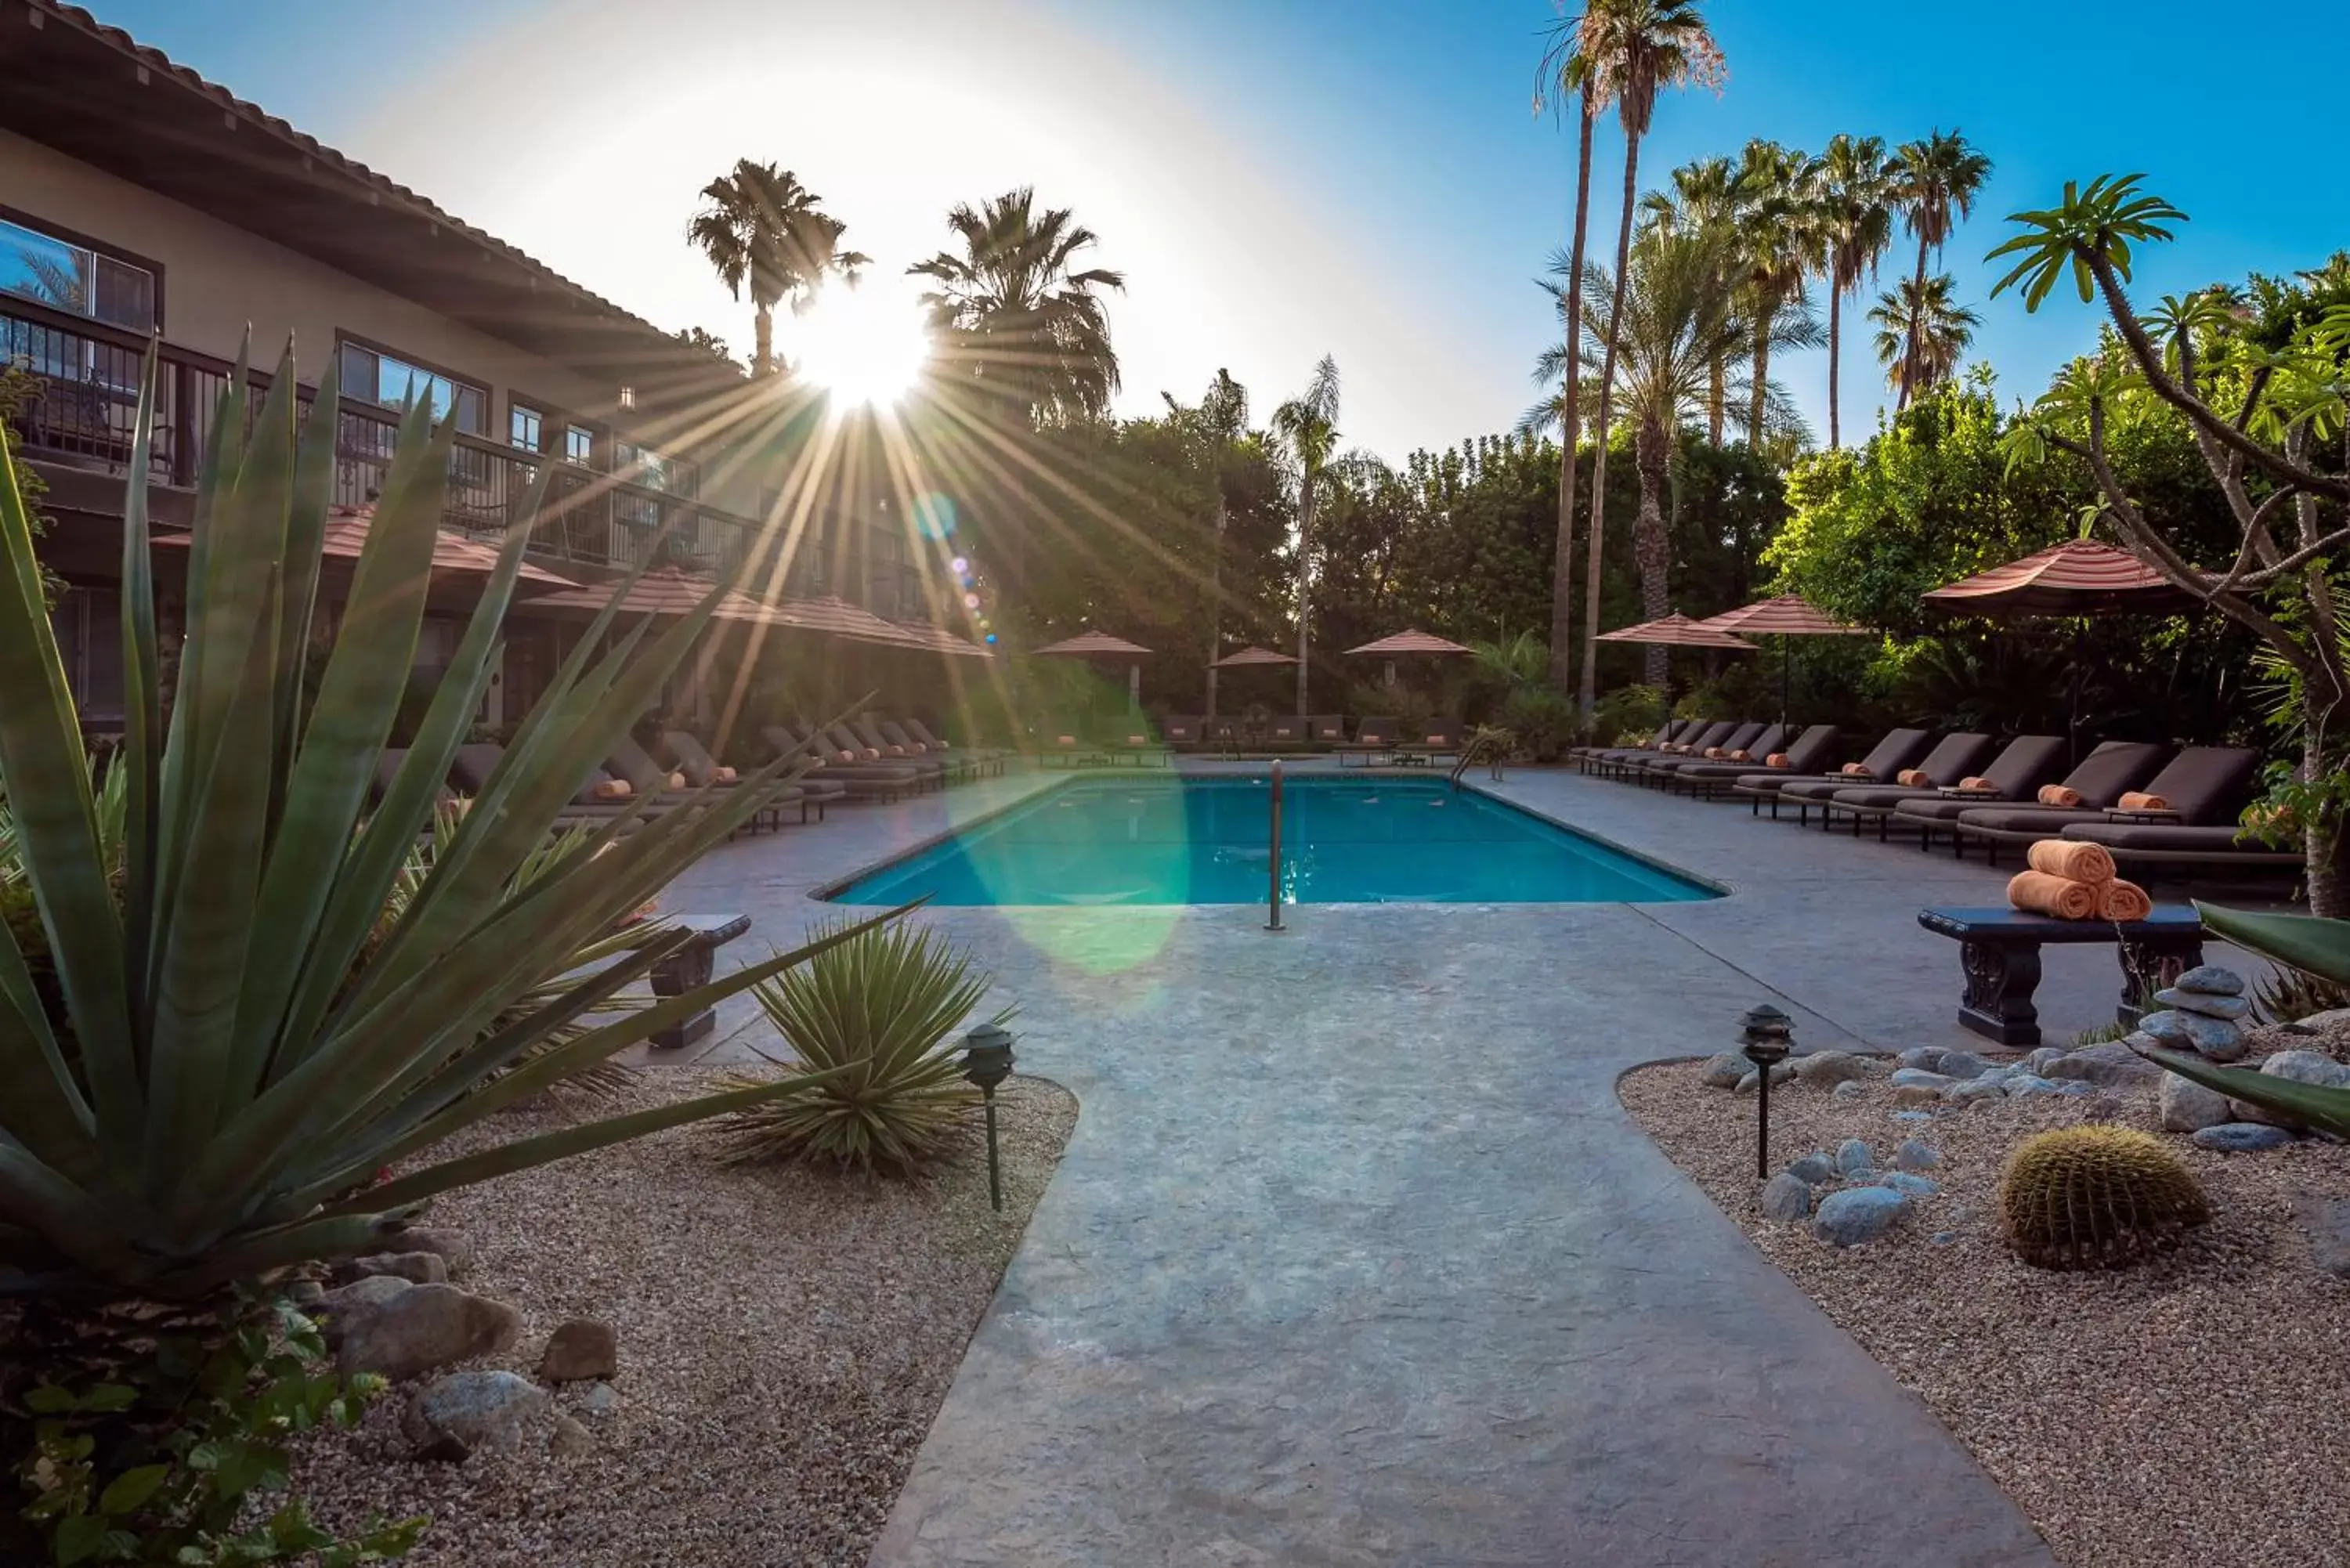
x=85, y=395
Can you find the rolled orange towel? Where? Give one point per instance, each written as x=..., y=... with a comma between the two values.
x=1776, y=759
x=1137, y=740
x=1715, y=754
x=612, y=789
x=2064, y=857
x=724, y=774
x=1913, y=778
x=848, y=756
x=1856, y=771
x=2059, y=794
x=2138, y=800
x=676, y=781
x=2120, y=900
x=2038, y=893
x=1065, y=739
x=1742, y=755
x=1976, y=782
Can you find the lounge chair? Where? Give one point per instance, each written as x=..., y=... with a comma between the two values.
x=703, y=770
x=1326, y=729
x=1067, y=742
x=1438, y=738
x=857, y=780
x=1182, y=732
x=954, y=769
x=1224, y=734
x=1374, y=738
x=1286, y=730
x=471, y=768
x=2156, y=844
x=2022, y=766
x=1953, y=757
x=1806, y=755
x=1673, y=730
x=906, y=752
x=1897, y=750
x=2103, y=775
x=1752, y=740
x=1691, y=744
x=2204, y=784
x=982, y=759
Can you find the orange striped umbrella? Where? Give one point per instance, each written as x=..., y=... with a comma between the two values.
x=663, y=591
x=1407, y=642
x=1250, y=656
x=459, y=565
x=2080, y=576
x=1677, y=630
x=1788, y=614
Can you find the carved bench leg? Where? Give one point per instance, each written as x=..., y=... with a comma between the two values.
x=2149, y=963
x=674, y=976
x=2000, y=980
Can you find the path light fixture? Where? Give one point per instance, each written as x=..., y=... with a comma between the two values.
x=987, y=1062
x=1766, y=1037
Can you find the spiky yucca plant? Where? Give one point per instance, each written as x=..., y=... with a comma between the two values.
x=872, y=1011
x=237, y=1040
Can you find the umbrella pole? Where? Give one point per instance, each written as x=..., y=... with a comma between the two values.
x=1786, y=676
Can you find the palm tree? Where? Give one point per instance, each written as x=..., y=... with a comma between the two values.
x=1016, y=318
x=1703, y=195
x=760, y=228
x=1921, y=333
x=1779, y=247
x=1636, y=47
x=1855, y=196
x=1308, y=427
x=1568, y=64
x=1937, y=181
x=1212, y=429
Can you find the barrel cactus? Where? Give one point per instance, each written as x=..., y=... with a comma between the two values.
x=2095, y=1197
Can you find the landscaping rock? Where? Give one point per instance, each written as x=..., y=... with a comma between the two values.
x=467, y=1413
x=1919, y=1078
x=1967, y=1092
x=1913, y=1116
x=601, y=1399
x=2110, y=1066
x=1785, y=1198
x=1828, y=1068
x=1811, y=1169
x=2210, y=980
x=2214, y=1038
x=578, y=1351
x=2301, y=1067
x=1928, y=1057
x=2023, y=1086
x=1916, y=1095
x=1915, y=1155
x=1857, y=1215
x=1962, y=1065
x=2324, y=1023
x=342, y=1306
x=1942, y=1238
x=2326, y=1222
x=454, y=1247
x=2227, y=1009
x=568, y=1439
x=2039, y=1059
x=1783, y=1073
x=1853, y=1154
x=2187, y=1106
x=2242, y=1137
x=306, y=1294
x=416, y=1268
x=1723, y=1072
x=1849, y=1089
x=1909, y=1184
x=422, y=1327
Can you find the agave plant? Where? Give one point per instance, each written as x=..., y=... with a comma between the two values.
x=871, y=1011
x=2310, y=944
x=235, y=1039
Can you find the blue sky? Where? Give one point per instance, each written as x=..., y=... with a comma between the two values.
x=1278, y=178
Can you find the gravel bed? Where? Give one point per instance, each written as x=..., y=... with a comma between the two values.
x=2196, y=1409
x=786, y=1335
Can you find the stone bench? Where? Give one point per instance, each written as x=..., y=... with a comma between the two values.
x=1998, y=956
x=689, y=967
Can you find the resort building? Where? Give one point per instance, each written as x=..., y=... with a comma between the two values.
x=139, y=201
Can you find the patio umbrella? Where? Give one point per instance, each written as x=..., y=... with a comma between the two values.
x=459, y=565
x=2077, y=577
x=1677, y=630
x=1248, y=656
x=662, y=591
x=1787, y=616
x=1406, y=643
x=1100, y=645
x=938, y=639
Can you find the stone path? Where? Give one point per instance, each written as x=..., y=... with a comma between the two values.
x=1355, y=1259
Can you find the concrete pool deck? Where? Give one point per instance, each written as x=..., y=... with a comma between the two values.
x=1354, y=1258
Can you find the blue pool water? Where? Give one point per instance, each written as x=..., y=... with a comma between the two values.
x=1206, y=841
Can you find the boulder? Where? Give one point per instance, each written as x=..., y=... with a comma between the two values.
x=1813, y=1169
x=2110, y=1066
x=2324, y=1023
x=2187, y=1107
x=339, y=1308
x=1916, y=1095
x=601, y=1399
x=1962, y=1065
x=454, y=1248
x=1828, y=1068
x=1913, y=1116
x=422, y=1327
x=2326, y=1222
x=467, y=1413
x=2242, y=1137
x=1857, y=1215
x=1849, y=1089
x=1909, y=1184
x=579, y=1351
x=416, y=1268
x=2038, y=1061
x=1973, y=1089
x=1853, y=1154
x=1783, y=1073
x=1723, y=1072
x=568, y=1439
x=2227, y=1009
x=2213, y=1038
x=1928, y=1057
x=1919, y=1078
x=2301, y=1067
x=2210, y=980
x=2023, y=1086
x=1785, y=1198
x=1915, y=1155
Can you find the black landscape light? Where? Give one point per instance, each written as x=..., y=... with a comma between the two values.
x=1766, y=1037
x=987, y=1062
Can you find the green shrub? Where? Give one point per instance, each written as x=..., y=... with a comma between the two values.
x=1371, y=699
x=873, y=1011
x=1544, y=721
x=168, y=1457
x=1630, y=709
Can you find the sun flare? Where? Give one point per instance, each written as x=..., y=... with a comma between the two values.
x=864, y=345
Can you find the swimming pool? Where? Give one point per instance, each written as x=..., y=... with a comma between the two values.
x=1207, y=841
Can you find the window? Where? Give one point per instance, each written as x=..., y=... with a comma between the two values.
x=70, y=278
x=580, y=445
x=526, y=427
x=371, y=375
x=642, y=465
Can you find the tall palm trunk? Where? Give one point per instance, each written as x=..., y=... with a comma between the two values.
x=1717, y=400
x=1909, y=350
x=1836, y=356
x=762, y=348
x=1651, y=547
x=1562, y=577
x=1760, y=396
x=1216, y=598
x=1304, y=576
x=1588, y=695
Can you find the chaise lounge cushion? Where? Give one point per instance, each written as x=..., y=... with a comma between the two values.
x=1809, y=751
x=2219, y=843
x=2201, y=782
x=1887, y=758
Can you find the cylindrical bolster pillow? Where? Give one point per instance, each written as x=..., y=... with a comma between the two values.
x=2038, y=893
x=2064, y=857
